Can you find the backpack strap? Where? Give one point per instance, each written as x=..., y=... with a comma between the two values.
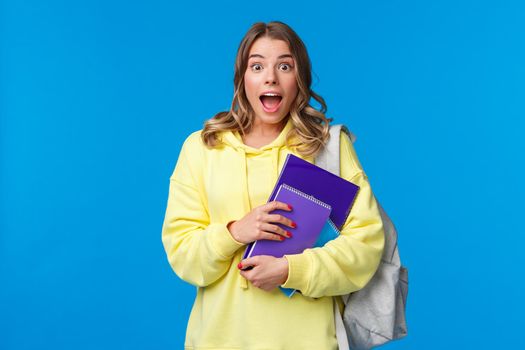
x=340, y=331
x=326, y=159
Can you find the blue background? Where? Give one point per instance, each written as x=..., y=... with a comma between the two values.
x=97, y=97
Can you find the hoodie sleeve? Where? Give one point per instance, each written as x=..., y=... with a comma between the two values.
x=199, y=252
x=348, y=262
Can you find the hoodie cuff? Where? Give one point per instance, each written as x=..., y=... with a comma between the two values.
x=222, y=241
x=299, y=272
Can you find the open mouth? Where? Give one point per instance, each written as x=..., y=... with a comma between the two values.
x=271, y=102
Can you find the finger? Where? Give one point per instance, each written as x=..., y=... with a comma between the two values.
x=249, y=262
x=280, y=219
x=276, y=229
x=274, y=205
x=271, y=236
x=247, y=273
x=244, y=269
x=263, y=234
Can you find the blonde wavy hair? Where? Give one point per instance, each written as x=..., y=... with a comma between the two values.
x=310, y=126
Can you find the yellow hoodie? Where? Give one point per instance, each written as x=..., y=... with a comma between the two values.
x=211, y=187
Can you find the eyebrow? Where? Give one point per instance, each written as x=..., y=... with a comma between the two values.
x=261, y=56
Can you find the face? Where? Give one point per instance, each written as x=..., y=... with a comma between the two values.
x=269, y=80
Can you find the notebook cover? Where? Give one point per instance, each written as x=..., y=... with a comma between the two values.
x=328, y=233
x=308, y=213
x=329, y=188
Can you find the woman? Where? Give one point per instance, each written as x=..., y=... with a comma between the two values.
x=217, y=205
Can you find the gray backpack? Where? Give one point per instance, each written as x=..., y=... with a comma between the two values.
x=375, y=314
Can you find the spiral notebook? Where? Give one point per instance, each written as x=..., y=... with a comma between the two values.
x=310, y=215
x=329, y=188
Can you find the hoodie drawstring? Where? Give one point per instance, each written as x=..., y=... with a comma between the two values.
x=275, y=165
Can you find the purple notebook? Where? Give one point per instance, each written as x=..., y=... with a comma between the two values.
x=308, y=213
x=308, y=178
x=323, y=185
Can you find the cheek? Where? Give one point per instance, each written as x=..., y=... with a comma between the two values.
x=249, y=85
x=250, y=89
x=292, y=89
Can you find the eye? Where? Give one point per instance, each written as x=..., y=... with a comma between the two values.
x=285, y=67
x=256, y=67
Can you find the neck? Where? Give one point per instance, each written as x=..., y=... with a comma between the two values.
x=260, y=129
x=262, y=134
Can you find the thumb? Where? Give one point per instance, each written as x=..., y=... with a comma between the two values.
x=248, y=263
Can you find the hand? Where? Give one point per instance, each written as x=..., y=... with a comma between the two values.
x=267, y=273
x=260, y=224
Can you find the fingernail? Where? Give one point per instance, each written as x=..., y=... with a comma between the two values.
x=289, y=234
x=294, y=225
x=289, y=207
x=281, y=238
x=239, y=266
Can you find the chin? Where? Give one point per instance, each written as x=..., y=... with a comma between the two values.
x=271, y=119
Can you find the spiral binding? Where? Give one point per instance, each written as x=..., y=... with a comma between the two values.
x=331, y=223
x=307, y=196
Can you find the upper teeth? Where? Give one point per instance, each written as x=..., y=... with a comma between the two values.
x=270, y=94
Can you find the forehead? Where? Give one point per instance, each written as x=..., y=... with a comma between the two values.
x=269, y=48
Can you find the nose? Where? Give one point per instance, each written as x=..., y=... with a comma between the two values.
x=271, y=77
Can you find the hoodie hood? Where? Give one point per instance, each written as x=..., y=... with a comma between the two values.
x=268, y=159
x=270, y=156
